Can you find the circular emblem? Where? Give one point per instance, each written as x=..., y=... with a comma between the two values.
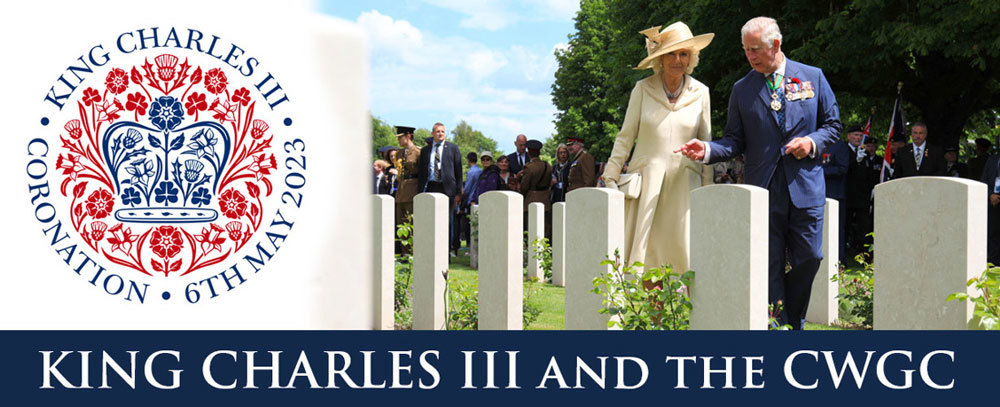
x=165, y=175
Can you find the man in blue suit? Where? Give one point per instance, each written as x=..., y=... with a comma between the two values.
x=782, y=116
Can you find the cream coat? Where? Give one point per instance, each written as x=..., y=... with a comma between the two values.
x=656, y=224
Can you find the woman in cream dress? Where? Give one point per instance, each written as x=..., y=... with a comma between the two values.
x=665, y=110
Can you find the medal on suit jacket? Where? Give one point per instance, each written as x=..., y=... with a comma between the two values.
x=775, y=103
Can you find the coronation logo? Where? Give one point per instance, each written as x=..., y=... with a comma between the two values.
x=155, y=171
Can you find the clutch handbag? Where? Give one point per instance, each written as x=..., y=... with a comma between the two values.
x=630, y=184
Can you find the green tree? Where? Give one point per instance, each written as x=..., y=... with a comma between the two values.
x=383, y=134
x=580, y=90
x=470, y=140
x=944, y=51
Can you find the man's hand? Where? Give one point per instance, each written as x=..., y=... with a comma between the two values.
x=693, y=150
x=994, y=199
x=799, y=147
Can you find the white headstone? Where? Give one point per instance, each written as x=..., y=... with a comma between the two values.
x=430, y=259
x=823, y=306
x=559, y=244
x=474, y=237
x=596, y=223
x=930, y=239
x=536, y=231
x=729, y=243
x=383, y=243
x=500, y=275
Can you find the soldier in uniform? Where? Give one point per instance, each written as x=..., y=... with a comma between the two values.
x=535, y=180
x=581, y=169
x=408, y=163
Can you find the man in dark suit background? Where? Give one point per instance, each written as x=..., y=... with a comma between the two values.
x=836, y=162
x=919, y=157
x=518, y=159
x=783, y=116
x=441, y=171
x=991, y=177
x=858, y=190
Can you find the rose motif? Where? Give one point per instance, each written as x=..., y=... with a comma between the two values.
x=166, y=241
x=136, y=102
x=215, y=81
x=166, y=113
x=116, y=81
x=241, y=96
x=100, y=203
x=233, y=204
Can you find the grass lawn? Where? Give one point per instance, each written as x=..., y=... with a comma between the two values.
x=551, y=299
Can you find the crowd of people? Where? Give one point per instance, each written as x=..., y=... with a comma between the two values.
x=407, y=170
x=783, y=134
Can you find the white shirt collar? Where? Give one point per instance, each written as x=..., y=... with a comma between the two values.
x=781, y=68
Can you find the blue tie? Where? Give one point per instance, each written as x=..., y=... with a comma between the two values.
x=781, y=98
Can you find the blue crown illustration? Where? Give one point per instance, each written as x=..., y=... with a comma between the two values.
x=166, y=173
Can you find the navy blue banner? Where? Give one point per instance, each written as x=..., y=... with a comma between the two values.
x=592, y=368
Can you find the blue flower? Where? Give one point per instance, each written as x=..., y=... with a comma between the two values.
x=201, y=197
x=192, y=168
x=131, y=138
x=166, y=113
x=131, y=197
x=166, y=192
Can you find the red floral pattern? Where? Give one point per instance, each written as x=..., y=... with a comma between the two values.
x=164, y=249
x=166, y=241
x=233, y=204
x=117, y=81
x=100, y=203
x=215, y=81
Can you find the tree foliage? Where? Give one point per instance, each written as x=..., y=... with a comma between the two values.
x=383, y=135
x=944, y=51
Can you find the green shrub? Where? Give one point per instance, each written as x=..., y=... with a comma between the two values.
x=662, y=304
x=856, y=288
x=988, y=302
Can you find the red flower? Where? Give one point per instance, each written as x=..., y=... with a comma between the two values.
x=241, y=96
x=259, y=127
x=70, y=165
x=100, y=203
x=233, y=204
x=73, y=127
x=121, y=237
x=195, y=102
x=136, y=102
x=207, y=242
x=91, y=95
x=215, y=81
x=235, y=229
x=97, y=230
x=262, y=166
x=166, y=241
x=116, y=81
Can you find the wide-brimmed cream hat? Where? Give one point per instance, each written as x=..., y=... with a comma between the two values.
x=676, y=36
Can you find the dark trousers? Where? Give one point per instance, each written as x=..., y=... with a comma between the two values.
x=993, y=234
x=859, y=224
x=452, y=229
x=795, y=236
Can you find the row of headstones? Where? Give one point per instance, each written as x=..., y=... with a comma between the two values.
x=930, y=233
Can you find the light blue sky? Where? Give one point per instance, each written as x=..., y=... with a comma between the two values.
x=487, y=62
